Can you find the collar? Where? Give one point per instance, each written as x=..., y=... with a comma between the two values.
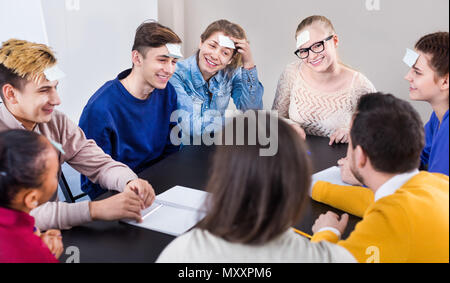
x=445, y=116
x=16, y=219
x=8, y=118
x=393, y=184
x=197, y=76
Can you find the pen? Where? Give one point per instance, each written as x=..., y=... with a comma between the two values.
x=302, y=233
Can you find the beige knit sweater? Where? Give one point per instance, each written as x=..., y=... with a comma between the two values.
x=318, y=113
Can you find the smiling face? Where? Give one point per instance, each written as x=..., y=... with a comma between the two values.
x=156, y=67
x=212, y=57
x=422, y=79
x=34, y=103
x=320, y=62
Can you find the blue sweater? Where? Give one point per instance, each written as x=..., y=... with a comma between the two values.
x=435, y=153
x=133, y=131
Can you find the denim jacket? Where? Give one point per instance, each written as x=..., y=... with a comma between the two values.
x=198, y=112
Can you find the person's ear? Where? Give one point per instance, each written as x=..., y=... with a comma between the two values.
x=9, y=93
x=200, y=44
x=31, y=199
x=136, y=58
x=336, y=40
x=444, y=83
x=361, y=157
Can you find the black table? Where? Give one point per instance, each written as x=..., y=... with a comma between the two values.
x=114, y=241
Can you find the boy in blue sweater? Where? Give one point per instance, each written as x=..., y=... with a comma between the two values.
x=429, y=81
x=129, y=117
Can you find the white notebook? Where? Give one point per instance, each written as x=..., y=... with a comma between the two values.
x=331, y=175
x=174, y=212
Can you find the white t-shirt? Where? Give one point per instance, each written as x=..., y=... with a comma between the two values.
x=201, y=246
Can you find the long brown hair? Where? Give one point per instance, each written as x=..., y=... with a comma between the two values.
x=228, y=29
x=256, y=198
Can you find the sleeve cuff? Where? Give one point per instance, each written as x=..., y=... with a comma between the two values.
x=334, y=230
x=325, y=235
x=250, y=78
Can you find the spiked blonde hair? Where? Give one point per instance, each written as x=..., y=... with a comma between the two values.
x=25, y=59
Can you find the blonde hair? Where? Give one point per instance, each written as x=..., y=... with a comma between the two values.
x=327, y=24
x=313, y=19
x=27, y=60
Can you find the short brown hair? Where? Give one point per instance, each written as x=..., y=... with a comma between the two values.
x=390, y=132
x=153, y=35
x=256, y=198
x=228, y=29
x=21, y=60
x=436, y=44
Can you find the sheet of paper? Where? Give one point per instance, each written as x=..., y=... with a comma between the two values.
x=174, y=50
x=171, y=220
x=174, y=212
x=54, y=73
x=410, y=58
x=303, y=38
x=332, y=175
x=225, y=41
x=183, y=197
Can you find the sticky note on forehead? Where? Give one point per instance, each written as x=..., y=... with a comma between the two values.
x=54, y=73
x=410, y=58
x=303, y=38
x=225, y=41
x=174, y=50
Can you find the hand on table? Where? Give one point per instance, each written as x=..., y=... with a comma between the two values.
x=53, y=240
x=341, y=135
x=331, y=219
x=143, y=189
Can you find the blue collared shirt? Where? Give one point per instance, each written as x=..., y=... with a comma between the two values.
x=202, y=104
x=435, y=153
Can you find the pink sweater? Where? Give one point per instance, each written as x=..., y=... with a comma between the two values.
x=18, y=243
x=84, y=156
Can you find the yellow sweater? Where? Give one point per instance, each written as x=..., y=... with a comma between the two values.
x=411, y=225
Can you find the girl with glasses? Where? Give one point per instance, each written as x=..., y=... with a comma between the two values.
x=317, y=94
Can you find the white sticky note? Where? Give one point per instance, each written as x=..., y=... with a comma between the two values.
x=54, y=73
x=225, y=41
x=410, y=57
x=174, y=50
x=58, y=146
x=303, y=38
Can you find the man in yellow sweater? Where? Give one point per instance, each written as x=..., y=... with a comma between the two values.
x=405, y=212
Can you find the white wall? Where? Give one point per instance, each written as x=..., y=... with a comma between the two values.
x=23, y=19
x=373, y=41
x=93, y=43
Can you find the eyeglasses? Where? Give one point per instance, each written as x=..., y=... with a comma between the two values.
x=317, y=47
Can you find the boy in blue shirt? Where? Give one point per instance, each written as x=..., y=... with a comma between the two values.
x=129, y=117
x=429, y=81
